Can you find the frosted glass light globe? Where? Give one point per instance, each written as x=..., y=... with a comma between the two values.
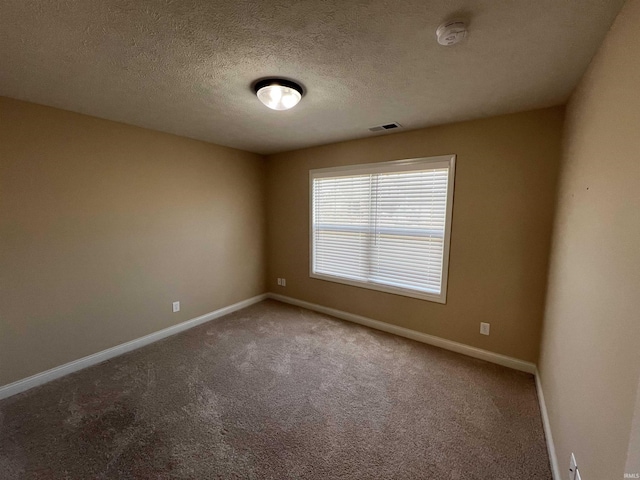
x=278, y=97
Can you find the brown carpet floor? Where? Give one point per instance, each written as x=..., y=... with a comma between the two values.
x=279, y=392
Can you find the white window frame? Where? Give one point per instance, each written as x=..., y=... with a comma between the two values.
x=386, y=167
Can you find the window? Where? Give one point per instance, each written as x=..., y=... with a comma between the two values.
x=384, y=226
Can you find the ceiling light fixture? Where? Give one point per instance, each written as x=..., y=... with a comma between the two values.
x=278, y=94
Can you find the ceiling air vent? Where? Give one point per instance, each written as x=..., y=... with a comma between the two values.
x=386, y=126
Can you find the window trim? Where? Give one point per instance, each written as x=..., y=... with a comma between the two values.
x=390, y=166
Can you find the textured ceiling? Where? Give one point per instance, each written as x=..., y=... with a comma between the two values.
x=186, y=66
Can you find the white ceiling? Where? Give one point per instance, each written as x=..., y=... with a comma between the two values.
x=186, y=66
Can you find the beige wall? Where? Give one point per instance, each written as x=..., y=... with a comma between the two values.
x=103, y=225
x=503, y=207
x=590, y=359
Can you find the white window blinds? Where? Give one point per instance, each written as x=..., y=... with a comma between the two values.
x=384, y=226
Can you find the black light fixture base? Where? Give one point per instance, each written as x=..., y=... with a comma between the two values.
x=277, y=81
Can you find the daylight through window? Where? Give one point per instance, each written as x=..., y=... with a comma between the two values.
x=384, y=226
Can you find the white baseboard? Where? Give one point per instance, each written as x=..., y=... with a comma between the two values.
x=57, y=372
x=448, y=345
x=412, y=334
x=551, y=448
x=20, y=386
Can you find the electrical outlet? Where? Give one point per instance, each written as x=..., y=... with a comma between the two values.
x=176, y=307
x=280, y=281
x=573, y=467
x=284, y=282
x=484, y=328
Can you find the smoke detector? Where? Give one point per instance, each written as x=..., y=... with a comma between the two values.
x=452, y=32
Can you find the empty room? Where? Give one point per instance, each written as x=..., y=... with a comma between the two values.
x=320, y=239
